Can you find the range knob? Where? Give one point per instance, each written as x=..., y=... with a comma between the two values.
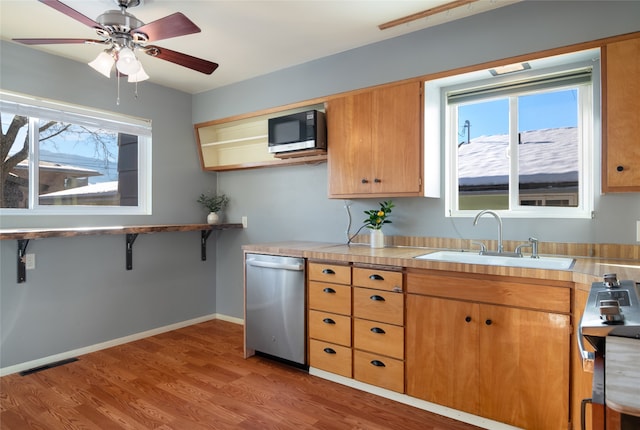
x=611, y=280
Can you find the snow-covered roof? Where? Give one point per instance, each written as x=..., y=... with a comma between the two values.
x=100, y=188
x=61, y=168
x=548, y=155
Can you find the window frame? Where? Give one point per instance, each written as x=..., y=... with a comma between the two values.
x=588, y=125
x=32, y=107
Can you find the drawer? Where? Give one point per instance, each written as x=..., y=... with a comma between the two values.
x=333, y=273
x=379, y=338
x=376, y=305
x=378, y=370
x=330, y=357
x=378, y=279
x=330, y=327
x=333, y=298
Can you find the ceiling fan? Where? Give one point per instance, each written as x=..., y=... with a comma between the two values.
x=123, y=34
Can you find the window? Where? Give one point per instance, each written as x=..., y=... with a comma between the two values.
x=68, y=160
x=522, y=143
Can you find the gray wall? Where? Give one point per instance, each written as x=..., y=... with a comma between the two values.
x=290, y=202
x=80, y=293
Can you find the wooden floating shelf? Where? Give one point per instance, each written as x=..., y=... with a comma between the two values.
x=131, y=233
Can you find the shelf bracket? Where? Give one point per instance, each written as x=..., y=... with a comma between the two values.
x=204, y=235
x=22, y=260
x=131, y=237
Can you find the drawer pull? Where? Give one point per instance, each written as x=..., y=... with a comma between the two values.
x=377, y=298
x=328, y=272
x=328, y=321
x=329, y=350
x=329, y=290
x=488, y=322
x=377, y=330
x=468, y=319
x=377, y=363
x=376, y=277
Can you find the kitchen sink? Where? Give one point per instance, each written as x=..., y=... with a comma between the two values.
x=551, y=263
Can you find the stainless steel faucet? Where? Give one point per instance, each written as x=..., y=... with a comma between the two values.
x=497, y=217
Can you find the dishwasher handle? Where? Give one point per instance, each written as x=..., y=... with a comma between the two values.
x=269, y=265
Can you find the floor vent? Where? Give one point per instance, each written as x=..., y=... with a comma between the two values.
x=48, y=366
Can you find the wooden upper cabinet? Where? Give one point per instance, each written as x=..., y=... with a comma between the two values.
x=375, y=142
x=621, y=116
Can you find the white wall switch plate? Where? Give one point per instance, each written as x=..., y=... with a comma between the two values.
x=244, y=222
x=30, y=261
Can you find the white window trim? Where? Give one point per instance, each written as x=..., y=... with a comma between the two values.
x=590, y=140
x=31, y=106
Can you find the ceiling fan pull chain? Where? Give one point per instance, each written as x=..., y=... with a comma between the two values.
x=118, y=97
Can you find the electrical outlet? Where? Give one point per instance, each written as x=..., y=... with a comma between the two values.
x=30, y=261
x=244, y=222
x=638, y=230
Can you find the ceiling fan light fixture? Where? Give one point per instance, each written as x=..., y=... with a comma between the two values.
x=139, y=76
x=103, y=63
x=127, y=62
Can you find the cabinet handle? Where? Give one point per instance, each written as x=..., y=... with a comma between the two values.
x=377, y=298
x=329, y=351
x=328, y=321
x=620, y=168
x=376, y=277
x=488, y=322
x=328, y=272
x=377, y=363
x=365, y=181
x=377, y=181
x=378, y=330
x=468, y=319
x=329, y=290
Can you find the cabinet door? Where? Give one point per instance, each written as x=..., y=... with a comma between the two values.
x=349, y=142
x=375, y=144
x=396, y=140
x=524, y=367
x=621, y=151
x=442, y=351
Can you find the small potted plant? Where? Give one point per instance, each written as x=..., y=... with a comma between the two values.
x=377, y=218
x=214, y=203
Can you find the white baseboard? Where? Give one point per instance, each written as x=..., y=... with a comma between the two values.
x=412, y=401
x=114, y=342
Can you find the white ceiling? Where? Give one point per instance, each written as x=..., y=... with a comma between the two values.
x=247, y=38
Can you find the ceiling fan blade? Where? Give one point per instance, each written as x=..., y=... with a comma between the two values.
x=170, y=26
x=56, y=41
x=197, y=64
x=72, y=13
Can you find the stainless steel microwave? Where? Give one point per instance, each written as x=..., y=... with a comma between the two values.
x=298, y=131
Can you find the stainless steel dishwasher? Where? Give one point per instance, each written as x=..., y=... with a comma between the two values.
x=275, y=305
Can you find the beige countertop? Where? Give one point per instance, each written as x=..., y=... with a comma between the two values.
x=584, y=271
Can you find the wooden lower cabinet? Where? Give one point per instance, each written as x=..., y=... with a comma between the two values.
x=330, y=357
x=501, y=362
x=379, y=370
x=329, y=317
x=378, y=328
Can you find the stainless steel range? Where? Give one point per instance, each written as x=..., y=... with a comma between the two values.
x=612, y=316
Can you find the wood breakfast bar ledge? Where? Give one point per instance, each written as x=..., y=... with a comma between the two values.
x=131, y=233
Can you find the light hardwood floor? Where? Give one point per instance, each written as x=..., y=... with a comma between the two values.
x=195, y=378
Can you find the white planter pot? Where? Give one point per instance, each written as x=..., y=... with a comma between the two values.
x=213, y=218
x=377, y=239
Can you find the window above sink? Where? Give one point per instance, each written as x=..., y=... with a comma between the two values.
x=521, y=143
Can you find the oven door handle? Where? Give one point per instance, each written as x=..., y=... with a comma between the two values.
x=588, y=357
